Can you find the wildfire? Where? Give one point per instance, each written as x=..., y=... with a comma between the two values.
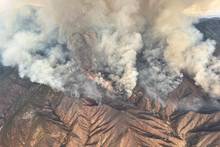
x=97, y=77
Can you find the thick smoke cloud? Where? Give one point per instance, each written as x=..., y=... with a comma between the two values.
x=83, y=47
x=186, y=50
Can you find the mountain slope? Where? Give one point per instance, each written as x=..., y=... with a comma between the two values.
x=33, y=115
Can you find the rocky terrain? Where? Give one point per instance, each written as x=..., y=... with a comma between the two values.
x=33, y=115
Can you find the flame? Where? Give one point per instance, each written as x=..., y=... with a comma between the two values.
x=100, y=81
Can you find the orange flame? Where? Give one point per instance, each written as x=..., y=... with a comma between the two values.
x=100, y=81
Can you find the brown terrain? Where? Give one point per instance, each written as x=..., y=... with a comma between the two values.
x=33, y=115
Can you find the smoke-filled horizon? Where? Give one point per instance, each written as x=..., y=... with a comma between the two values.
x=83, y=47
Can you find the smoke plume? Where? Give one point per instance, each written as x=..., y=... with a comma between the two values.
x=102, y=47
x=186, y=50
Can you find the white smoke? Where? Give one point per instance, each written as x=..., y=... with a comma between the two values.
x=130, y=42
x=35, y=41
x=23, y=37
x=186, y=50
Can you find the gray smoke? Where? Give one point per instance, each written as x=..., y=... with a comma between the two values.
x=186, y=50
x=85, y=47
